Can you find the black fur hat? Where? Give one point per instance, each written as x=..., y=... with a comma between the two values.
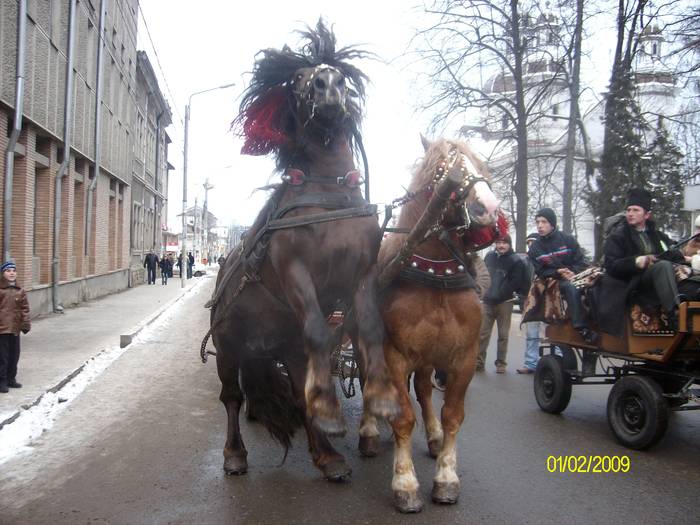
x=639, y=197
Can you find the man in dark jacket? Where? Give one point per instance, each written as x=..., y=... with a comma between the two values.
x=150, y=262
x=557, y=255
x=632, y=250
x=509, y=276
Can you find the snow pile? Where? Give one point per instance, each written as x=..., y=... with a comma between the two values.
x=17, y=436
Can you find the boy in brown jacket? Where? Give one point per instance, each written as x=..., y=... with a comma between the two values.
x=14, y=317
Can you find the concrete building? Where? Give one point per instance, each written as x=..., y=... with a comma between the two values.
x=149, y=189
x=72, y=167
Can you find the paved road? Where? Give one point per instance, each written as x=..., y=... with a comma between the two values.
x=142, y=444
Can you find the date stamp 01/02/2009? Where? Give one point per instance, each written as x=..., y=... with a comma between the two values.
x=588, y=464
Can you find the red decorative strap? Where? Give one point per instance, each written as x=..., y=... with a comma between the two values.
x=295, y=177
x=439, y=268
x=353, y=179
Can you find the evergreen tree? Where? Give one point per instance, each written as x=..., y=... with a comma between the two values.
x=663, y=171
x=622, y=164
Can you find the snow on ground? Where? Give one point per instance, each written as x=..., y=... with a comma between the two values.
x=18, y=436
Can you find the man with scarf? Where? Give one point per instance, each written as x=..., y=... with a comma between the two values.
x=632, y=253
x=509, y=276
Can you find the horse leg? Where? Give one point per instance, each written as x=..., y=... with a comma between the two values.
x=235, y=454
x=446, y=481
x=369, y=431
x=322, y=405
x=324, y=456
x=424, y=394
x=379, y=393
x=404, y=483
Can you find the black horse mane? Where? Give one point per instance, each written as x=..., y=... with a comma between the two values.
x=268, y=104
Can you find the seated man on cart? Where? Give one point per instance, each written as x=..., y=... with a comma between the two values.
x=557, y=255
x=632, y=253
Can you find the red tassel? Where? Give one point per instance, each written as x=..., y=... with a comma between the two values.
x=478, y=238
x=261, y=123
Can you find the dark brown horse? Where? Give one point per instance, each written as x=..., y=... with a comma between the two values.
x=311, y=250
x=432, y=317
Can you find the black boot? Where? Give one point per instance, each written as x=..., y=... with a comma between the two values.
x=591, y=337
x=3, y=387
x=12, y=383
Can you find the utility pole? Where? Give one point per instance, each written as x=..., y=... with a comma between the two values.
x=184, y=175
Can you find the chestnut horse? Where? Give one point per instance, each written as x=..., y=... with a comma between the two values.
x=432, y=317
x=312, y=248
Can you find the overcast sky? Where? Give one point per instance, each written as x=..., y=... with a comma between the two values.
x=211, y=43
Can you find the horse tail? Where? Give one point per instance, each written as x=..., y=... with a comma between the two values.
x=271, y=399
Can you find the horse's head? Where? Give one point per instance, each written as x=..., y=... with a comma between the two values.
x=314, y=92
x=473, y=203
x=321, y=96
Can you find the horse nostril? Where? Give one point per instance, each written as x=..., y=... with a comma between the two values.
x=319, y=83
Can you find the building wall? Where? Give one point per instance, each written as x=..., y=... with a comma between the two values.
x=103, y=265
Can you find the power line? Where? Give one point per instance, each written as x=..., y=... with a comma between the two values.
x=165, y=80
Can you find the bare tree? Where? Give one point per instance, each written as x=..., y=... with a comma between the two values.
x=468, y=41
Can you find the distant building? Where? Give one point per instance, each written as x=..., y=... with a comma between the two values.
x=150, y=167
x=547, y=136
x=94, y=249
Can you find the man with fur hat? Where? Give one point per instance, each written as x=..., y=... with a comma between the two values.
x=14, y=317
x=632, y=255
x=509, y=276
x=557, y=255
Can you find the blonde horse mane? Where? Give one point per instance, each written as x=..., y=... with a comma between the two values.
x=423, y=175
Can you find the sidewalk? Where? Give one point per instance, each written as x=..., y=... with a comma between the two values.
x=58, y=345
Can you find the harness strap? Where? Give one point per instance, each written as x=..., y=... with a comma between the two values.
x=445, y=282
x=331, y=201
x=313, y=218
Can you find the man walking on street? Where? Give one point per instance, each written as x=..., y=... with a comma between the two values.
x=164, y=270
x=150, y=262
x=14, y=317
x=509, y=276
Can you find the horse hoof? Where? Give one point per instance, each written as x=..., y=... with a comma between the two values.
x=338, y=471
x=407, y=502
x=369, y=446
x=434, y=447
x=330, y=427
x=235, y=465
x=446, y=493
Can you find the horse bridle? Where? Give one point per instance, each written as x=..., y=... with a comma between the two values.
x=305, y=94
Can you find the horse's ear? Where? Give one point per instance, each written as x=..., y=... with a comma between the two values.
x=425, y=142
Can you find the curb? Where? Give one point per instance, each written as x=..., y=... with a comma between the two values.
x=124, y=341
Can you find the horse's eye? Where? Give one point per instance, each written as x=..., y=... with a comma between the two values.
x=319, y=83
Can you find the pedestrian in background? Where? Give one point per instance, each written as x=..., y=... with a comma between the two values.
x=164, y=270
x=150, y=262
x=509, y=276
x=14, y=318
x=190, y=264
x=532, y=329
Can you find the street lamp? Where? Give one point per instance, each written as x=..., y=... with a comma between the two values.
x=183, y=263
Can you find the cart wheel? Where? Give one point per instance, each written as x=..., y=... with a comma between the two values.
x=637, y=412
x=552, y=384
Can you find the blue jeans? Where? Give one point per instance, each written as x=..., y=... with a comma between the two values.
x=532, y=344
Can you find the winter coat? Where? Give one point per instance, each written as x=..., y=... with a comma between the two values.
x=165, y=265
x=150, y=261
x=610, y=297
x=14, y=309
x=554, y=251
x=509, y=276
x=623, y=246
